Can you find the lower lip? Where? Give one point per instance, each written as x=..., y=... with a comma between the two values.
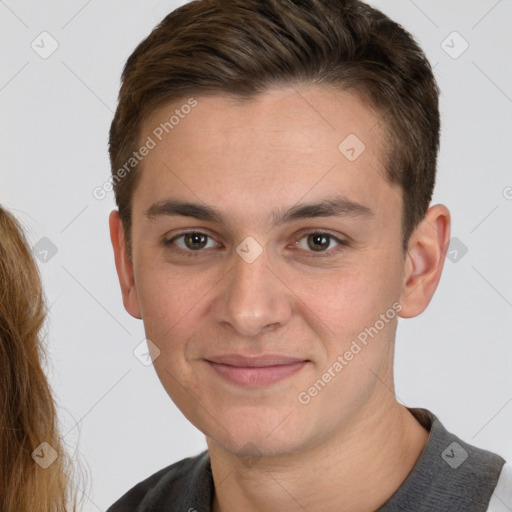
x=257, y=376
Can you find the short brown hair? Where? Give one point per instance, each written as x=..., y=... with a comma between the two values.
x=243, y=47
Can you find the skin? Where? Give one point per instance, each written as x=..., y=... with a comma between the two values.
x=268, y=450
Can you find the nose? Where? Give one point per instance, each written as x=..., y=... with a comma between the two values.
x=253, y=298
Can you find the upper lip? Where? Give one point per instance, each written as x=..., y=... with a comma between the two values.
x=254, y=361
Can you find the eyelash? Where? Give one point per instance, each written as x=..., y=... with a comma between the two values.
x=321, y=254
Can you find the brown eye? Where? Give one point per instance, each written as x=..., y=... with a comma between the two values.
x=321, y=243
x=318, y=242
x=195, y=241
x=192, y=241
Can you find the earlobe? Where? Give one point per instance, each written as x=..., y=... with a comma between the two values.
x=124, y=266
x=425, y=260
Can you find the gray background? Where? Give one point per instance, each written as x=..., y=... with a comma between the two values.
x=455, y=359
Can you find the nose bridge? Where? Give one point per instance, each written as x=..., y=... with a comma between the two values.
x=253, y=298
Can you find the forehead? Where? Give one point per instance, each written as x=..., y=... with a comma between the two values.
x=278, y=147
x=291, y=113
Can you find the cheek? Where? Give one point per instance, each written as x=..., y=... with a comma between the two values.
x=346, y=300
x=345, y=311
x=175, y=304
x=168, y=298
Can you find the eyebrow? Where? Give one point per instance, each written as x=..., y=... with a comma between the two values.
x=330, y=207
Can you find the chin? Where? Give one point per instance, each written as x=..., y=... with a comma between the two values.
x=251, y=439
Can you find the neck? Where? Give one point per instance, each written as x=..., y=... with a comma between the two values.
x=356, y=470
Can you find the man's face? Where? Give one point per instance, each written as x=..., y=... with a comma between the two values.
x=247, y=328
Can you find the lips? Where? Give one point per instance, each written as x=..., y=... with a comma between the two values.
x=254, y=361
x=255, y=371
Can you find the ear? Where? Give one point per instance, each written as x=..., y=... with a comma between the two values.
x=124, y=266
x=424, y=261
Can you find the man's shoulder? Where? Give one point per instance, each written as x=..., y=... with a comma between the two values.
x=173, y=484
x=449, y=475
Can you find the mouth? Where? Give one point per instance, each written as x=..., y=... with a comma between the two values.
x=258, y=371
